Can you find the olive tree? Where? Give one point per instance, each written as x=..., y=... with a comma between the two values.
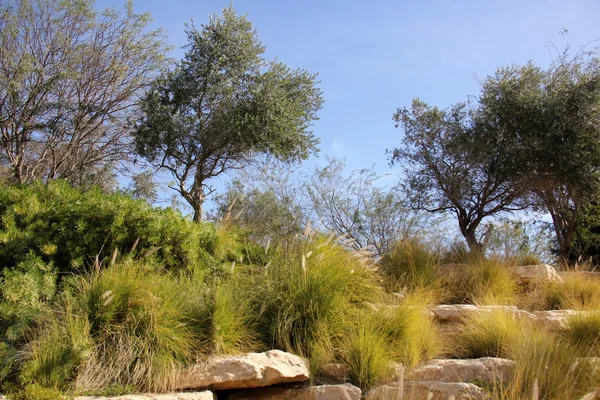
x=70, y=80
x=450, y=166
x=224, y=105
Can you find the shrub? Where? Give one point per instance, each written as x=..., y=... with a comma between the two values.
x=487, y=334
x=70, y=228
x=409, y=265
x=302, y=297
x=482, y=282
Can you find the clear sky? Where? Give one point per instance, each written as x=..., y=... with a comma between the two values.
x=375, y=56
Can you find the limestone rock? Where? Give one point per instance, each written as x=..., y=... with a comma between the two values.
x=245, y=371
x=322, y=392
x=458, y=312
x=591, y=396
x=428, y=390
x=333, y=373
x=486, y=369
x=554, y=320
x=535, y=273
x=205, y=395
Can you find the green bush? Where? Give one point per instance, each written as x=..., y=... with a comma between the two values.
x=69, y=228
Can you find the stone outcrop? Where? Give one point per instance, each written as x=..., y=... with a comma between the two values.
x=322, y=392
x=205, y=395
x=554, y=320
x=486, y=369
x=245, y=371
x=528, y=274
x=458, y=312
x=333, y=373
x=428, y=390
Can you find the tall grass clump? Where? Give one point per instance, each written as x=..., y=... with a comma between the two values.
x=302, y=297
x=487, y=334
x=577, y=292
x=409, y=265
x=583, y=333
x=126, y=324
x=480, y=281
x=545, y=368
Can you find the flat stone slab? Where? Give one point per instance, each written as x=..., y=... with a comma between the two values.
x=542, y=273
x=555, y=320
x=429, y=390
x=245, y=371
x=204, y=395
x=322, y=392
x=486, y=369
x=458, y=312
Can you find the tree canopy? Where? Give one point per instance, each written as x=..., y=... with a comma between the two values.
x=70, y=78
x=223, y=105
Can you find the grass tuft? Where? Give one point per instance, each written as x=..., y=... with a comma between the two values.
x=409, y=265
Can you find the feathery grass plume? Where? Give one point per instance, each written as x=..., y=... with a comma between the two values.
x=577, y=292
x=303, y=300
x=583, y=333
x=481, y=281
x=487, y=334
x=410, y=265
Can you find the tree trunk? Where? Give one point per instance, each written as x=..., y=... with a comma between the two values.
x=474, y=246
x=197, y=211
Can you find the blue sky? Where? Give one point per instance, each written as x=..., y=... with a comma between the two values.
x=375, y=56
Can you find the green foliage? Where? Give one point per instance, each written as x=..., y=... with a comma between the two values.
x=304, y=296
x=69, y=228
x=366, y=353
x=410, y=265
x=482, y=281
x=249, y=106
x=487, y=334
x=583, y=332
x=37, y=392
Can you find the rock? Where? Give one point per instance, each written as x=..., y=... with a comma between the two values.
x=486, y=369
x=397, y=373
x=591, y=364
x=535, y=273
x=428, y=390
x=554, y=320
x=458, y=312
x=245, y=371
x=333, y=373
x=590, y=396
x=205, y=395
x=322, y=392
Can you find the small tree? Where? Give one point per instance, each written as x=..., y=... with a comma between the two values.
x=348, y=203
x=222, y=106
x=450, y=168
x=70, y=78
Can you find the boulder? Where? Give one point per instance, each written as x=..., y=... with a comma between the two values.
x=322, y=392
x=458, y=312
x=205, y=395
x=486, y=369
x=428, y=390
x=333, y=373
x=591, y=396
x=535, y=273
x=245, y=371
x=554, y=320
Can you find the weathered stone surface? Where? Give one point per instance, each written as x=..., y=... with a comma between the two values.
x=591, y=396
x=428, y=390
x=322, y=392
x=205, y=395
x=554, y=320
x=245, y=371
x=458, y=312
x=535, y=273
x=486, y=369
x=333, y=373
